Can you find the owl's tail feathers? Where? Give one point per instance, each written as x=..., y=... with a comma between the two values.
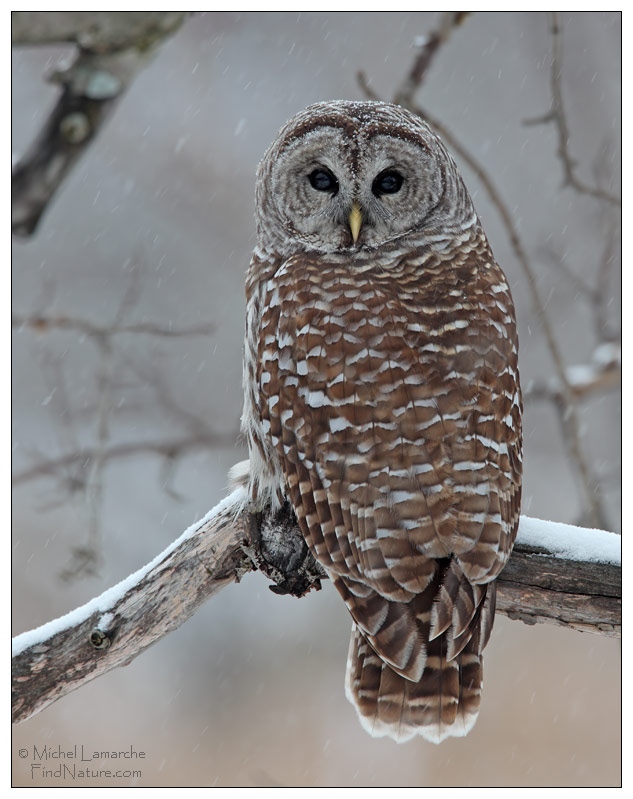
x=445, y=701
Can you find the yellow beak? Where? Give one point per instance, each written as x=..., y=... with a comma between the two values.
x=355, y=221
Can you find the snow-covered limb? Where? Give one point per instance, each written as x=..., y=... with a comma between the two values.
x=559, y=540
x=557, y=573
x=109, y=598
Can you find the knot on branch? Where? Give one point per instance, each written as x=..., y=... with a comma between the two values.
x=75, y=127
x=99, y=639
x=102, y=634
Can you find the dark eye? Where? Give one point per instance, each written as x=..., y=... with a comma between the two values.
x=323, y=180
x=388, y=182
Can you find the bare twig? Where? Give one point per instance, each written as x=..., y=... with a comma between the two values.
x=605, y=330
x=113, y=629
x=87, y=466
x=113, y=48
x=76, y=467
x=596, y=294
x=169, y=448
x=428, y=48
x=41, y=323
x=557, y=115
x=581, y=286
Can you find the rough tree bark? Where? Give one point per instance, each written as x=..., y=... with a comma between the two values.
x=113, y=629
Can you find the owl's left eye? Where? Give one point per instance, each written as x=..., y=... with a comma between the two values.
x=323, y=180
x=388, y=182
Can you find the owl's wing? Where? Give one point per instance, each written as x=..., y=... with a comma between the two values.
x=394, y=408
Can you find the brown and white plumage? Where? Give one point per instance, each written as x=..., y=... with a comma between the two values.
x=382, y=399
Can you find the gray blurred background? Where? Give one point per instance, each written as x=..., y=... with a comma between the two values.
x=155, y=225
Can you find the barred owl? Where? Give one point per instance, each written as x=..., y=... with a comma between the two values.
x=382, y=400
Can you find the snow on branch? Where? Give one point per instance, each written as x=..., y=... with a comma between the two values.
x=557, y=574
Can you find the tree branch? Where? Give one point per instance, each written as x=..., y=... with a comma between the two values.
x=169, y=448
x=97, y=31
x=543, y=582
x=557, y=115
x=82, y=468
x=428, y=48
x=42, y=323
x=113, y=48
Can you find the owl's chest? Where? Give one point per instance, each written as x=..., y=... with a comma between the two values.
x=361, y=333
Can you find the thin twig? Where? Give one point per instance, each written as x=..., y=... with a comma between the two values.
x=82, y=458
x=42, y=323
x=557, y=115
x=428, y=48
x=87, y=466
x=605, y=331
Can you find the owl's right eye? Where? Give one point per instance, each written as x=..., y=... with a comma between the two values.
x=323, y=180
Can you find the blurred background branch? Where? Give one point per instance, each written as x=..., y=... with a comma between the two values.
x=112, y=47
x=80, y=469
x=557, y=115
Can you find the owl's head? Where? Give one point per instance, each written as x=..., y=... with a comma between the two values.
x=356, y=176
